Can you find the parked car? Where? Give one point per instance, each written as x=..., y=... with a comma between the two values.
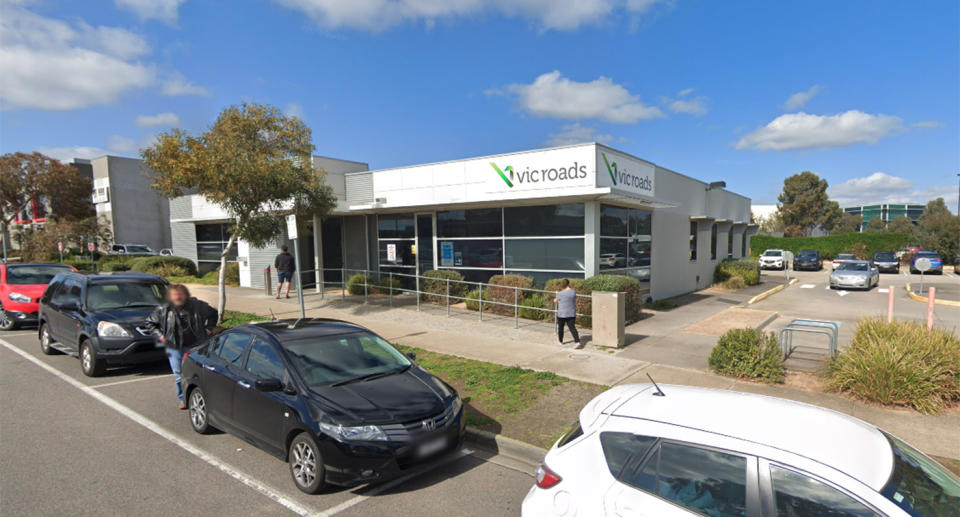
x=99, y=319
x=610, y=260
x=936, y=263
x=773, y=259
x=855, y=274
x=339, y=403
x=809, y=260
x=684, y=451
x=131, y=249
x=21, y=286
x=886, y=262
x=841, y=258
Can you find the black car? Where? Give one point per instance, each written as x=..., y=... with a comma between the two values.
x=99, y=318
x=809, y=260
x=886, y=262
x=335, y=400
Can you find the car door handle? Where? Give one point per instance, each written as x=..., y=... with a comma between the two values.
x=244, y=385
x=208, y=367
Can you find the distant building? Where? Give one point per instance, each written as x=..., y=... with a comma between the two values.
x=886, y=212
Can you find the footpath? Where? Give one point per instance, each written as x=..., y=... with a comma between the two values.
x=533, y=346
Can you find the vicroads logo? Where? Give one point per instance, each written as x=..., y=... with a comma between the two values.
x=544, y=175
x=625, y=178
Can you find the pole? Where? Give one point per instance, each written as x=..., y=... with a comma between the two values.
x=890, y=305
x=931, y=296
x=390, y=287
x=516, y=308
x=448, y=297
x=296, y=263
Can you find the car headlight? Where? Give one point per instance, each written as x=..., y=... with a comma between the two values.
x=110, y=329
x=457, y=404
x=18, y=297
x=362, y=433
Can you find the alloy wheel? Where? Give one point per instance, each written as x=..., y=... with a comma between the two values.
x=86, y=358
x=5, y=322
x=304, y=464
x=198, y=410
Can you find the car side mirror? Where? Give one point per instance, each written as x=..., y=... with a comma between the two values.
x=267, y=385
x=412, y=356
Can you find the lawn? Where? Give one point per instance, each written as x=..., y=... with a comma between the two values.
x=234, y=318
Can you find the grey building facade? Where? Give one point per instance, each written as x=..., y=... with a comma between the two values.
x=123, y=196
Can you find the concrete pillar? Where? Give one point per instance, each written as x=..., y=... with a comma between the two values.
x=591, y=238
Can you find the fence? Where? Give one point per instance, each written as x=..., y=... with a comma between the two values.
x=397, y=287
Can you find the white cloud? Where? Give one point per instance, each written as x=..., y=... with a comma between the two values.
x=927, y=124
x=160, y=119
x=67, y=154
x=576, y=134
x=881, y=187
x=684, y=92
x=178, y=85
x=552, y=95
x=547, y=14
x=806, y=131
x=163, y=10
x=49, y=64
x=799, y=99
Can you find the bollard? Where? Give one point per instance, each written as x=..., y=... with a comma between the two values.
x=890, y=305
x=931, y=296
x=266, y=282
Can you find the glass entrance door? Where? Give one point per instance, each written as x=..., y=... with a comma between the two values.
x=424, y=243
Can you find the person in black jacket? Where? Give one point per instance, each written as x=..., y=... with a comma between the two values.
x=286, y=266
x=180, y=324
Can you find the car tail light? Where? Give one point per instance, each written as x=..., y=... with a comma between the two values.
x=546, y=478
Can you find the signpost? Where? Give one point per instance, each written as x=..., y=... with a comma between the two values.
x=60, y=249
x=292, y=234
x=922, y=265
x=90, y=249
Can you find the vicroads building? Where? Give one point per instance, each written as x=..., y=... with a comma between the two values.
x=572, y=211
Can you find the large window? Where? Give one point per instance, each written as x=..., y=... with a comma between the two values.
x=625, y=241
x=212, y=239
x=395, y=246
x=550, y=220
x=483, y=222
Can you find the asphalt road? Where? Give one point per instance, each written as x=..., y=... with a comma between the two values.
x=118, y=445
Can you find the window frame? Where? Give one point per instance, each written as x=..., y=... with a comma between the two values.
x=769, y=500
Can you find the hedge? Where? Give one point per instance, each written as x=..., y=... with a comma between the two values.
x=114, y=265
x=865, y=244
x=355, y=285
x=435, y=283
x=737, y=273
x=615, y=283
x=81, y=265
x=160, y=265
x=512, y=291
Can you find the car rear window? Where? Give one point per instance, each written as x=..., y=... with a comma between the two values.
x=885, y=255
x=42, y=274
x=846, y=256
x=853, y=266
x=807, y=253
x=619, y=448
x=772, y=253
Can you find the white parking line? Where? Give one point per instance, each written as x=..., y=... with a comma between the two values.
x=883, y=290
x=128, y=381
x=807, y=286
x=226, y=468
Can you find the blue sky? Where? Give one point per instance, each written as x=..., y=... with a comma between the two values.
x=866, y=94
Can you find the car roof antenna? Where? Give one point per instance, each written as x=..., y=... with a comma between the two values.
x=659, y=392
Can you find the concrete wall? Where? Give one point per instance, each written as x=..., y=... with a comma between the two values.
x=138, y=214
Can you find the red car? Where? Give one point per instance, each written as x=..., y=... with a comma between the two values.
x=21, y=286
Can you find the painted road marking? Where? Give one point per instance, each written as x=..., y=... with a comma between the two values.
x=883, y=290
x=226, y=468
x=807, y=286
x=128, y=381
x=842, y=293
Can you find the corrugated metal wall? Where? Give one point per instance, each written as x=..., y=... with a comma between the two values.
x=183, y=235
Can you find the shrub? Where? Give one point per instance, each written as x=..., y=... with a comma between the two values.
x=530, y=305
x=748, y=353
x=900, y=364
x=384, y=284
x=584, y=305
x=355, y=284
x=502, y=291
x=168, y=270
x=830, y=246
x=81, y=264
x=473, y=299
x=435, y=283
x=114, y=265
x=153, y=265
x=747, y=270
x=734, y=283
x=621, y=284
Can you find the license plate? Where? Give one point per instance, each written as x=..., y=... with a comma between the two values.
x=432, y=447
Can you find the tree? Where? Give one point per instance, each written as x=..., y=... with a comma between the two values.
x=804, y=205
x=254, y=162
x=940, y=230
x=847, y=223
x=901, y=224
x=769, y=224
x=875, y=225
x=26, y=179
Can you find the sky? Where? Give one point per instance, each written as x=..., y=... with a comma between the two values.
x=864, y=93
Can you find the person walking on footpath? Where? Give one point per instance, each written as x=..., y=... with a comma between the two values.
x=566, y=303
x=286, y=266
x=181, y=323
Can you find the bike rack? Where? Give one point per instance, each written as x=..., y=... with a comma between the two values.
x=831, y=329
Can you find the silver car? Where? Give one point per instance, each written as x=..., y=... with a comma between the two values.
x=855, y=274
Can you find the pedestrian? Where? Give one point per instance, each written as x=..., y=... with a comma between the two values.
x=566, y=303
x=179, y=324
x=286, y=266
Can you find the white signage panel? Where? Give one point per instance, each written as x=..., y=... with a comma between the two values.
x=292, y=226
x=623, y=173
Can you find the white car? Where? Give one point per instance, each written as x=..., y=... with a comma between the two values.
x=639, y=450
x=773, y=259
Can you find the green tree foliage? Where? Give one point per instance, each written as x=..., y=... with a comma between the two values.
x=901, y=224
x=940, y=230
x=847, y=223
x=875, y=225
x=254, y=162
x=804, y=205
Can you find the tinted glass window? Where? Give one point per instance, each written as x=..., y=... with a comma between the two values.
x=640, y=222
x=33, y=274
x=395, y=226
x=557, y=254
x=713, y=241
x=263, y=362
x=919, y=485
x=325, y=360
x=884, y=255
x=478, y=253
x=705, y=481
x=619, y=448
x=797, y=495
x=483, y=222
x=613, y=221
x=807, y=253
x=124, y=294
x=613, y=253
x=402, y=252
x=69, y=293
x=232, y=347
x=535, y=221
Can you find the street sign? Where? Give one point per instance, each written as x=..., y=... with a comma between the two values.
x=60, y=246
x=922, y=265
x=90, y=246
x=292, y=226
x=391, y=252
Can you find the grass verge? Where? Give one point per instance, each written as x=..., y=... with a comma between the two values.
x=234, y=318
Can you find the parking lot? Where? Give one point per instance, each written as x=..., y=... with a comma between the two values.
x=77, y=445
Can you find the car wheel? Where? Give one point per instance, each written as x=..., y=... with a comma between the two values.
x=306, y=466
x=46, y=341
x=197, y=406
x=89, y=363
x=6, y=322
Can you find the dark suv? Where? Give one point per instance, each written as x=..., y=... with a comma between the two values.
x=335, y=400
x=886, y=262
x=808, y=259
x=99, y=319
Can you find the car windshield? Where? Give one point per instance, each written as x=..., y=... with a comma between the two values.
x=884, y=255
x=118, y=295
x=139, y=249
x=327, y=360
x=33, y=274
x=807, y=253
x=845, y=256
x=928, y=254
x=853, y=266
x=919, y=485
x=772, y=253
